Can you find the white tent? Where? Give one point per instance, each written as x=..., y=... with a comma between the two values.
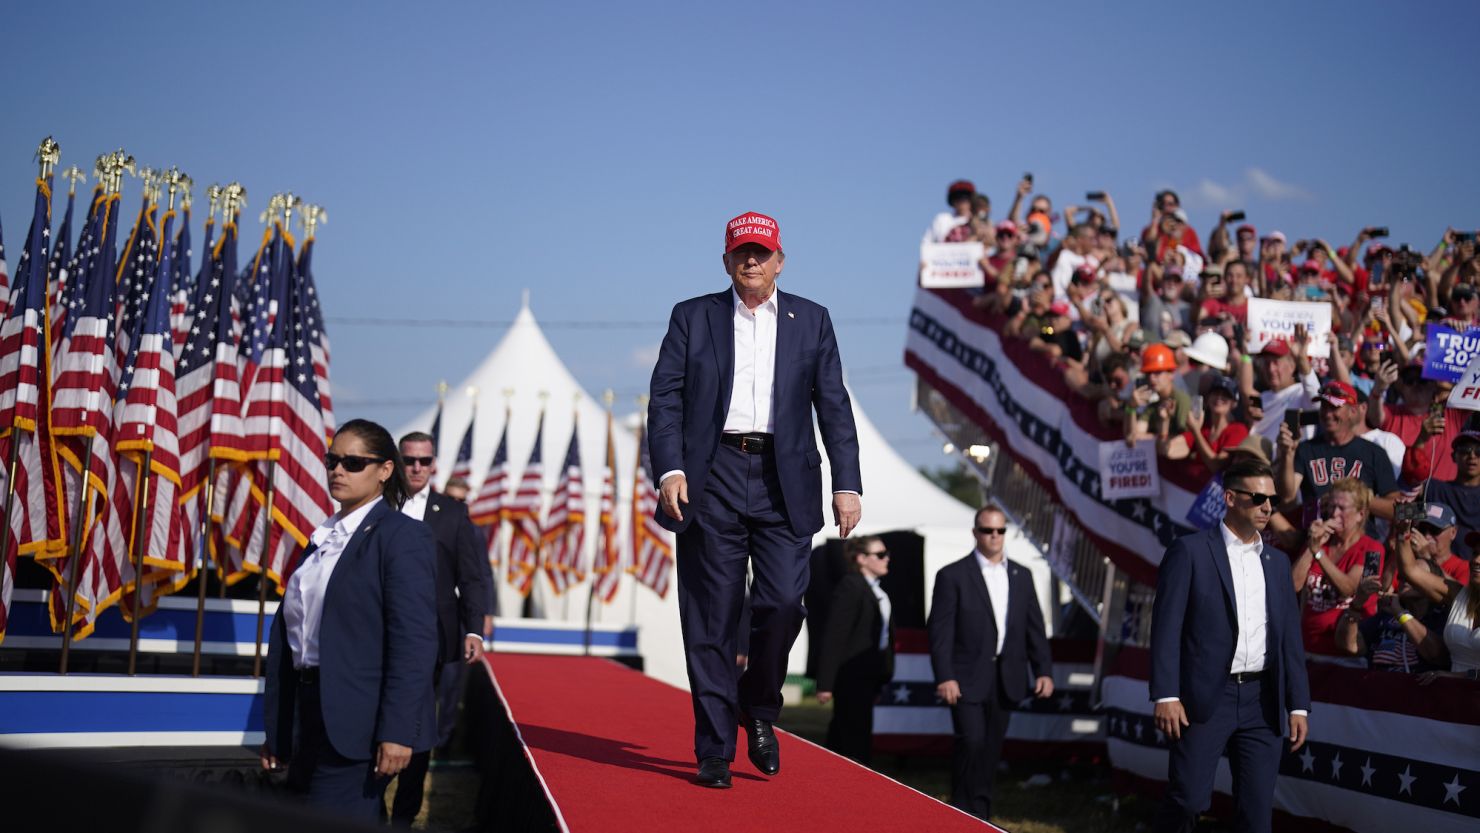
x=524, y=374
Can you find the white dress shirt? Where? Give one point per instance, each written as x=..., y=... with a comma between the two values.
x=885, y=610
x=303, y=604
x=995, y=574
x=416, y=506
x=1250, y=607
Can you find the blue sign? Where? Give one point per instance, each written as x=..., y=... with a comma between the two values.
x=1208, y=507
x=1448, y=352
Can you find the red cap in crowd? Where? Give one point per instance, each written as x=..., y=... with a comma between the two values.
x=1338, y=393
x=1310, y=266
x=1376, y=250
x=1059, y=308
x=1276, y=349
x=1277, y=235
x=959, y=188
x=751, y=227
x=1245, y=229
x=1007, y=227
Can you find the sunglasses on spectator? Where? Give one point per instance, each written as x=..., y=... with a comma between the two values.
x=991, y=530
x=424, y=462
x=1255, y=498
x=1430, y=531
x=352, y=463
x=1467, y=450
x=882, y=555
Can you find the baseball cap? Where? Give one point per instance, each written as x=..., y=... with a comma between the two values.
x=1376, y=249
x=1178, y=338
x=1338, y=393
x=1059, y=308
x=1277, y=235
x=1007, y=227
x=1245, y=229
x=959, y=188
x=1465, y=437
x=751, y=227
x=1439, y=515
x=1276, y=349
x=1310, y=266
x=1137, y=339
x=1225, y=384
x=1084, y=274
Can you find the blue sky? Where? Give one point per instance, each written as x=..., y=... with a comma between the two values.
x=591, y=152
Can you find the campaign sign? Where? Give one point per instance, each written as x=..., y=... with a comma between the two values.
x=1466, y=393
x=952, y=265
x=1449, y=352
x=1128, y=472
x=1208, y=507
x=1276, y=320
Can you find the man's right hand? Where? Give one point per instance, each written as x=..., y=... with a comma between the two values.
x=1171, y=719
x=269, y=761
x=675, y=490
x=949, y=691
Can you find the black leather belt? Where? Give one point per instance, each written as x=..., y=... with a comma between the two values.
x=308, y=675
x=1245, y=677
x=748, y=443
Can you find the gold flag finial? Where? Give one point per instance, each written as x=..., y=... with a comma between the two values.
x=441, y=391
x=608, y=397
x=187, y=191
x=49, y=153
x=310, y=216
x=111, y=168
x=73, y=175
x=233, y=200
x=214, y=194
x=171, y=179
x=150, y=183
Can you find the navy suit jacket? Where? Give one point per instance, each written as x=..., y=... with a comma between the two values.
x=461, y=567
x=691, y=397
x=377, y=644
x=963, y=633
x=1194, y=627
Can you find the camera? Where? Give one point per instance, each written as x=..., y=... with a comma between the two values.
x=1235, y=216
x=1377, y=231
x=1405, y=263
x=1095, y=196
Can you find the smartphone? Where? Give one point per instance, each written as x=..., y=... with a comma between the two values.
x=1143, y=382
x=1372, y=562
x=1236, y=216
x=1384, y=357
x=1095, y=196
x=1256, y=401
x=1197, y=404
x=1292, y=419
x=1028, y=177
x=1377, y=231
x=1436, y=408
x=1411, y=512
x=1464, y=237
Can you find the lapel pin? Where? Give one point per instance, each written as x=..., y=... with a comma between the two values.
x=436, y=509
x=791, y=315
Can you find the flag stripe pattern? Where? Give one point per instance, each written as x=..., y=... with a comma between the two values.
x=652, y=545
x=523, y=514
x=565, y=528
x=608, y=564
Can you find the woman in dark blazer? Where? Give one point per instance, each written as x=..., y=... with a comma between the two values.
x=857, y=649
x=353, y=649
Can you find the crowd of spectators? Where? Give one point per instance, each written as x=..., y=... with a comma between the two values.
x=1378, y=480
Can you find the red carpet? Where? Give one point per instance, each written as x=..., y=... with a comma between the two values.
x=615, y=751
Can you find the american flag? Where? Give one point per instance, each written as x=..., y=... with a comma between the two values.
x=652, y=546
x=82, y=421
x=463, y=466
x=180, y=283
x=57, y=268
x=523, y=514
x=136, y=268
x=565, y=527
x=146, y=437
x=4, y=275
x=209, y=391
x=436, y=431
x=71, y=281
x=318, y=344
x=25, y=393
x=608, y=565
x=490, y=507
x=284, y=427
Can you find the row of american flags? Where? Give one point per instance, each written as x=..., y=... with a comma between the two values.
x=554, y=545
x=153, y=410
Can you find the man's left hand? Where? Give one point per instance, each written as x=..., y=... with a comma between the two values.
x=847, y=510
x=391, y=758
x=1298, y=731
x=1043, y=688
x=472, y=649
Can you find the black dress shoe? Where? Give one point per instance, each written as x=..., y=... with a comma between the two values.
x=714, y=772
x=761, y=743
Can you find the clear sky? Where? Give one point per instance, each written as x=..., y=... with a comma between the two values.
x=591, y=152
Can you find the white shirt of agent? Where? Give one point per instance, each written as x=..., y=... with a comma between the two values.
x=755, y=367
x=415, y=506
x=303, y=604
x=995, y=576
x=886, y=609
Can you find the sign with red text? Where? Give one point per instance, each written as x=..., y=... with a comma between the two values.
x=1128, y=471
x=952, y=265
x=1466, y=393
x=1276, y=321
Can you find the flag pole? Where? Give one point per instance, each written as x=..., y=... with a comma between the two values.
x=75, y=554
x=642, y=404
x=141, y=502
x=607, y=398
x=286, y=201
x=10, y=466
x=201, y=572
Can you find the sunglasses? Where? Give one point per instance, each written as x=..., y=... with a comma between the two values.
x=1430, y=531
x=882, y=555
x=1255, y=497
x=1467, y=450
x=991, y=530
x=424, y=462
x=352, y=463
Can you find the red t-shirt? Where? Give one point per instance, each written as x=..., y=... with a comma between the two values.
x=1416, y=461
x=1457, y=569
x=1214, y=307
x=1323, y=605
x=1231, y=436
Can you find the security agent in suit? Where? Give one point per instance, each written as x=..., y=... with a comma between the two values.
x=348, y=696
x=464, y=580
x=857, y=655
x=738, y=377
x=989, y=651
x=1227, y=663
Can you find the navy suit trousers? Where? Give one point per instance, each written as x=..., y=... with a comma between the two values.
x=740, y=515
x=324, y=778
x=1240, y=727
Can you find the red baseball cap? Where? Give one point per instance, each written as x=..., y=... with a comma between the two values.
x=1059, y=308
x=1276, y=349
x=751, y=227
x=1245, y=229
x=1338, y=393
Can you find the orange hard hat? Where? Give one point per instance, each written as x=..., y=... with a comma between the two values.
x=1156, y=358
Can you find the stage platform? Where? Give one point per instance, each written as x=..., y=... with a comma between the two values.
x=612, y=750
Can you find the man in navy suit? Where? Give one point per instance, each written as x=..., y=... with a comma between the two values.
x=730, y=429
x=1227, y=664
x=988, y=651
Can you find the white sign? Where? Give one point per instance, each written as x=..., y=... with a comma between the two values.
x=952, y=265
x=1276, y=320
x=1128, y=472
x=1466, y=393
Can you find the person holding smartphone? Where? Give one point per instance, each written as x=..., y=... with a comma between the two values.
x=1337, y=555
